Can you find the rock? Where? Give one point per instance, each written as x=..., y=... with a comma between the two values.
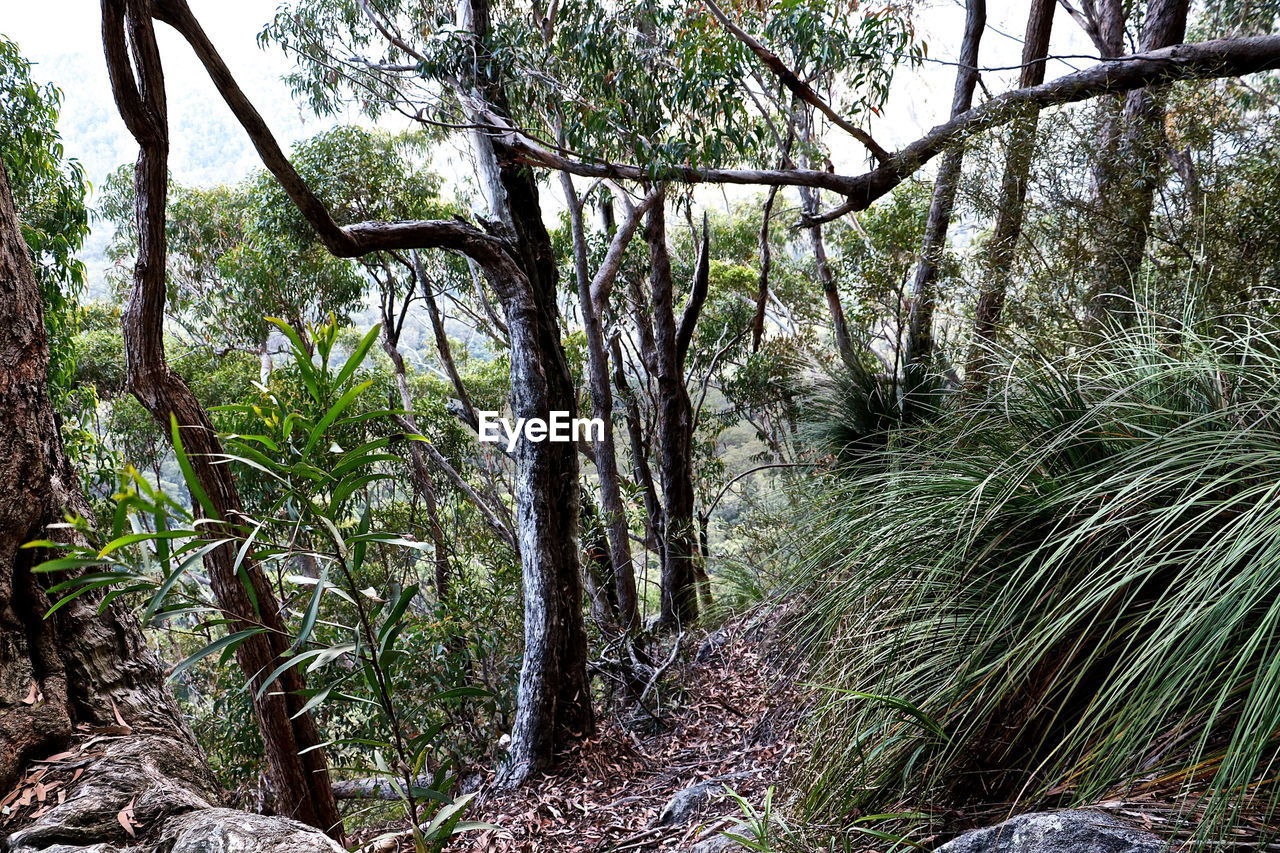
x=692, y=800
x=716, y=844
x=1078, y=831
x=689, y=802
x=711, y=646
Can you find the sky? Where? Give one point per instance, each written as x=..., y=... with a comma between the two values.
x=63, y=38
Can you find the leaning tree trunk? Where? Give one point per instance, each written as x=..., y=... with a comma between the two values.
x=554, y=700
x=80, y=692
x=1127, y=185
x=612, y=505
x=295, y=763
x=920, y=339
x=1000, y=252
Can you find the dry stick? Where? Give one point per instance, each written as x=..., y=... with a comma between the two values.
x=295, y=765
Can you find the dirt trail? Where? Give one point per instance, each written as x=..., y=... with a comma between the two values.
x=731, y=721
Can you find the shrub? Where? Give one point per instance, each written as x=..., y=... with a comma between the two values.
x=1068, y=588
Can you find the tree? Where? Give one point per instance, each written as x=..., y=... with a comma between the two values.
x=1126, y=189
x=228, y=246
x=919, y=347
x=296, y=763
x=1020, y=147
x=554, y=699
x=50, y=189
x=87, y=667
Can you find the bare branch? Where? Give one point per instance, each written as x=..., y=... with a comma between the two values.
x=607, y=274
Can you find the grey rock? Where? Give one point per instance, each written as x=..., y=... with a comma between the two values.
x=711, y=647
x=686, y=804
x=716, y=844
x=1077, y=831
x=682, y=807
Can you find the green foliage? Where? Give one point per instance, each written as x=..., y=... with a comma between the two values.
x=48, y=192
x=1075, y=579
x=316, y=537
x=651, y=83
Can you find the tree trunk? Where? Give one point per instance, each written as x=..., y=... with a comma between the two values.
x=1130, y=174
x=1000, y=252
x=766, y=265
x=296, y=764
x=674, y=438
x=920, y=340
x=80, y=690
x=554, y=700
x=810, y=203
x=613, y=507
x=554, y=696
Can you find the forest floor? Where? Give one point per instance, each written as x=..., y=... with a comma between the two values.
x=730, y=723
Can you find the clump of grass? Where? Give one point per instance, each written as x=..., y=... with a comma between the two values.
x=1077, y=577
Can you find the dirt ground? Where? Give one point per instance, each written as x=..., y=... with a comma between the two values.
x=731, y=720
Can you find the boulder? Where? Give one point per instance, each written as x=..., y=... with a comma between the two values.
x=1077, y=831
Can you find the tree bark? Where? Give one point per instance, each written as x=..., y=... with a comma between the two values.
x=554, y=700
x=1127, y=186
x=827, y=278
x=1000, y=252
x=674, y=434
x=920, y=341
x=296, y=764
x=80, y=690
